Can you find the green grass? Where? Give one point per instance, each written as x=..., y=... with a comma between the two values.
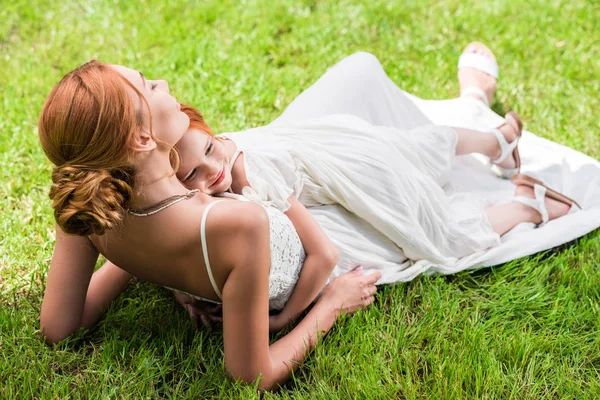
x=525, y=330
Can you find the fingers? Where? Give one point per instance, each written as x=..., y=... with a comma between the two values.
x=358, y=271
x=371, y=278
x=369, y=291
x=372, y=289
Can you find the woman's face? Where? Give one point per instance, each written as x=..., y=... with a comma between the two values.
x=168, y=122
x=204, y=162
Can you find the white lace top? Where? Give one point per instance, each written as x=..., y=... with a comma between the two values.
x=287, y=252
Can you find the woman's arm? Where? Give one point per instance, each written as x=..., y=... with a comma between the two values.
x=75, y=296
x=239, y=242
x=321, y=258
x=106, y=285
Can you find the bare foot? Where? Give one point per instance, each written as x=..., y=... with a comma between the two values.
x=555, y=208
x=511, y=130
x=471, y=77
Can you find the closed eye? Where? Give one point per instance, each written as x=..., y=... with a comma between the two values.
x=209, y=148
x=190, y=176
x=153, y=86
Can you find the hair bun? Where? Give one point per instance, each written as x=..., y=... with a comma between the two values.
x=90, y=201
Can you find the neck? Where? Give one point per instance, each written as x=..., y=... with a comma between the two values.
x=231, y=148
x=155, y=180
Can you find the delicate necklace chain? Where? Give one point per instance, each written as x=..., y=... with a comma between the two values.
x=161, y=205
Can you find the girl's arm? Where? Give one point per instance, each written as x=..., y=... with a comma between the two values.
x=75, y=296
x=321, y=258
x=239, y=241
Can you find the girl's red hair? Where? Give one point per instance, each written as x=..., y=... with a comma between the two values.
x=196, y=119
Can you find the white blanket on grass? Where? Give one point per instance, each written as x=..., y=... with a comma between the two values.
x=560, y=167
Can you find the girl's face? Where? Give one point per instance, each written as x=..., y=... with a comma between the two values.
x=204, y=162
x=169, y=123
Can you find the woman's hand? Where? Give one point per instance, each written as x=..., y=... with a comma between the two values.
x=350, y=292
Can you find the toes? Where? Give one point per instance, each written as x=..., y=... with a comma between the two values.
x=481, y=49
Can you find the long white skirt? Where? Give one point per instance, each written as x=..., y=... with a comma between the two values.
x=358, y=85
x=372, y=169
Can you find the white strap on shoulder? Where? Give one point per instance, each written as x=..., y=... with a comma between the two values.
x=235, y=156
x=231, y=195
x=205, y=248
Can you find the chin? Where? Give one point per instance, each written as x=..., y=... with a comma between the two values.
x=214, y=190
x=227, y=182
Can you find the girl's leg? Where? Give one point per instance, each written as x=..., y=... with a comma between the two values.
x=504, y=217
x=359, y=86
x=470, y=141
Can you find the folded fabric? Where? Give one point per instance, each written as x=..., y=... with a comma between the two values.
x=560, y=167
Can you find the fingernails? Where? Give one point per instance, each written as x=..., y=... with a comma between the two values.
x=358, y=268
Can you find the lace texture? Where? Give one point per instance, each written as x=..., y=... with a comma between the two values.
x=287, y=258
x=287, y=252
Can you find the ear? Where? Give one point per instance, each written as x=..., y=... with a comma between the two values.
x=143, y=142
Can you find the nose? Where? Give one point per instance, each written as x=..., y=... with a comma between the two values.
x=163, y=85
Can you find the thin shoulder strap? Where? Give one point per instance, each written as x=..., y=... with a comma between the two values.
x=205, y=248
x=235, y=156
x=232, y=195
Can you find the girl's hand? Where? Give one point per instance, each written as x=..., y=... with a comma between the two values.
x=204, y=314
x=275, y=324
x=278, y=322
x=350, y=292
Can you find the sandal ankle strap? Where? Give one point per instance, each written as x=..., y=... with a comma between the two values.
x=476, y=91
x=538, y=203
x=505, y=147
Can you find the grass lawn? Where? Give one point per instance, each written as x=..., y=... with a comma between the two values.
x=529, y=329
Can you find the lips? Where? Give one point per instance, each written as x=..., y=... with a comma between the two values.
x=219, y=178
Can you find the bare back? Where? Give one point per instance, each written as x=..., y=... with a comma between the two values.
x=166, y=248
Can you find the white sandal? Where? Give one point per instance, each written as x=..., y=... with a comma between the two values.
x=508, y=149
x=542, y=191
x=480, y=63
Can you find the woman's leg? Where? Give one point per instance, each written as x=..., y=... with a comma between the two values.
x=359, y=86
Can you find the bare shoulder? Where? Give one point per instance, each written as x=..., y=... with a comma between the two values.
x=234, y=228
x=236, y=214
x=74, y=243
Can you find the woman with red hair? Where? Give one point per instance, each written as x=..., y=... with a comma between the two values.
x=110, y=133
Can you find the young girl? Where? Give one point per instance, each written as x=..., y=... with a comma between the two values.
x=375, y=190
x=321, y=254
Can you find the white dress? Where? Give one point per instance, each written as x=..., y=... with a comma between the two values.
x=373, y=179
x=389, y=182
